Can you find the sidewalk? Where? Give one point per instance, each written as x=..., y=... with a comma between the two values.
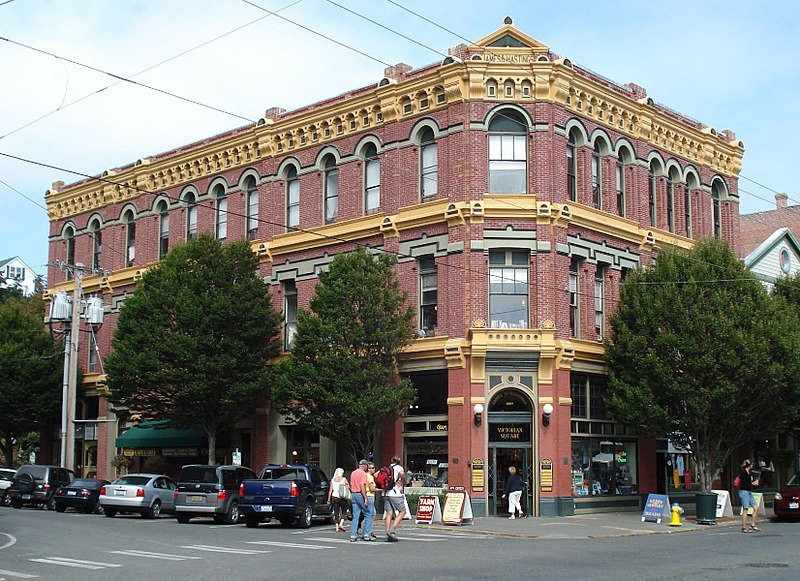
x=588, y=526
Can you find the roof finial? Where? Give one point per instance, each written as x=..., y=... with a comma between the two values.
x=508, y=20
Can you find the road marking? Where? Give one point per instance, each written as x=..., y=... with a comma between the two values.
x=18, y=575
x=149, y=555
x=76, y=563
x=11, y=540
x=289, y=545
x=225, y=550
x=345, y=541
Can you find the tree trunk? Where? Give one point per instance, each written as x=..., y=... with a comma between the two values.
x=212, y=447
x=7, y=448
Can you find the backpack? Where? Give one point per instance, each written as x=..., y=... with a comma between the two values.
x=384, y=479
x=737, y=481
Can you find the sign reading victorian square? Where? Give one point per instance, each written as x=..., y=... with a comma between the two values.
x=509, y=432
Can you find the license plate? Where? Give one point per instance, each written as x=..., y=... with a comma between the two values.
x=794, y=505
x=71, y=493
x=196, y=499
x=25, y=496
x=119, y=493
x=264, y=508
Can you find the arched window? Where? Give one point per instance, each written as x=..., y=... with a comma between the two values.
x=597, y=177
x=191, y=216
x=691, y=184
x=572, y=168
x=130, y=238
x=252, y=208
x=97, y=244
x=292, y=199
x=672, y=179
x=508, y=157
x=429, y=165
x=331, y=190
x=372, y=179
x=221, y=219
x=70, y=236
x=622, y=159
x=163, y=229
x=717, y=193
x=651, y=192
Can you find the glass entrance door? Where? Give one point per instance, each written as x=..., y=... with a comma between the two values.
x=501, y=459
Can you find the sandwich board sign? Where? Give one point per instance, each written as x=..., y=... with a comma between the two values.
x=428, y=509
x=724, y=507
x=457, y=507
x=656, y=507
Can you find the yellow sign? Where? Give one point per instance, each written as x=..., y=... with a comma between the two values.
x=546, y=475
x=477, y=475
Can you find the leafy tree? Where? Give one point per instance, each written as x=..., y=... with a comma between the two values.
x=702, y=354
x=193, y=341
x=341, y=380
x=31, y=371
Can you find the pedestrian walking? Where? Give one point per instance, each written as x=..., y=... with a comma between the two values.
x=746, y=483
x=514, y=493
x=358, y=482
x=369, y=510
x=337, y=498
x=394, y=500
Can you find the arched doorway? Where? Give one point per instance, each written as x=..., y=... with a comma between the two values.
x=510, y=444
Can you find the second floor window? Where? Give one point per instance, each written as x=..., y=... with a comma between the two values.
x=252, y=209
x=687, y=208
x=574, y=300
x=331, y=190
x=716, y=210
x=289, y=314
x=222, y=212
x=97, y=245
x=372, y=180
x=651, y=195
x=572, y=169
x=292, y=199
x=508, y=289
x=508, y=154
x=191, y=217
x=428, y=293
x=599, y=302
x=671, y=202
x=163, y=229
x=91, y=364
x=429, y=165
x=70, y=250
x=130, y=238
x=620, y=187
x=597, y=179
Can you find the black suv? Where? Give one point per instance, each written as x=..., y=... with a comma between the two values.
x=205, y=490
x=35, y=485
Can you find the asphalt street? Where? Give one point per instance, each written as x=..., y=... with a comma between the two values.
x=36, y=544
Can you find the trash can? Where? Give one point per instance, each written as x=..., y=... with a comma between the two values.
x=706, y=505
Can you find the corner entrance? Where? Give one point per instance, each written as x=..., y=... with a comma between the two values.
x=510, y=444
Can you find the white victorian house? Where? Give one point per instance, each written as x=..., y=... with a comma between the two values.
x=778, y=256
x=15, y=273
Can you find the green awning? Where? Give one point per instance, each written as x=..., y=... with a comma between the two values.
x=150, y=435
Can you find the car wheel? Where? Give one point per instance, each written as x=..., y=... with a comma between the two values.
x=6, y=499
x=183, y=518
x=60, y=508
x=110, y=512
x=154, y=512
x=251, y=522
x=232, y=516
x=305, y=519
x=50, y=503
x=16, y=503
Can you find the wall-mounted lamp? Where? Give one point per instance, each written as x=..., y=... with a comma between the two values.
x=547, y=409
x=478, y=409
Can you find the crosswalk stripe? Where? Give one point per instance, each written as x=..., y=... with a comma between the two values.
x=17, y=575
x=76, y=563
x=225, y=550
x=148, y=555
x=346, y=541
x=289, y=545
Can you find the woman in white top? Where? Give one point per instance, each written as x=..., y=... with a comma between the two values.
x=336, y=498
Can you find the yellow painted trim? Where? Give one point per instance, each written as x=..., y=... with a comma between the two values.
x=453, y=401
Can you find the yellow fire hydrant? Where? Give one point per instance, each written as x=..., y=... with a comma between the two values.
x=677, y=511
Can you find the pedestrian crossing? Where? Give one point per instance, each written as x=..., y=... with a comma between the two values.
x=305, y=541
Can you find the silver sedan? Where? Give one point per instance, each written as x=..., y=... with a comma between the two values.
x=147, y=494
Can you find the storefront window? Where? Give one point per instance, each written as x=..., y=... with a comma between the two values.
x=604, y=467
x=426, y=461
x=302, y=446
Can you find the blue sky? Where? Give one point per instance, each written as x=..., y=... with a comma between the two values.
x=729, y=64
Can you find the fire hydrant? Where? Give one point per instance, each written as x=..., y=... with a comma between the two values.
x=677, y=511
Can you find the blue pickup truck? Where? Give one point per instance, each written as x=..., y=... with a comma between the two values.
x=287, y=493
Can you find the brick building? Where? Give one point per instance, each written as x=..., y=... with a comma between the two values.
x=516, y=188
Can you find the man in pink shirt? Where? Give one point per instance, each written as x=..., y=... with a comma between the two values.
x=358, y=488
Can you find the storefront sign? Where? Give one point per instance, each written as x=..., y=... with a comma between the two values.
x=656, y=507
x=181, y=452
x=457, y=506
x=509, y=432
x=428, y=509
x=477, y=475
x=724, y=507
x=441, y=426
x=144, y=451
x=546, y=475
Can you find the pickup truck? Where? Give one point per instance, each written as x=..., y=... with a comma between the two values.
x=287, y=493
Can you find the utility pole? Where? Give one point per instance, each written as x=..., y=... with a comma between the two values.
x=72, y=387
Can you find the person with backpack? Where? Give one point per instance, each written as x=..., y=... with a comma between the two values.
x=391, y=479
x=746, y=483
x=358, y=493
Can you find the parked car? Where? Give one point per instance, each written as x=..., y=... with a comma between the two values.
x=82, y=493
x=287, y=493
x=147, y=494
x=206, y=490
x=6, y=476
x=787, y=500
x=35, y=484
